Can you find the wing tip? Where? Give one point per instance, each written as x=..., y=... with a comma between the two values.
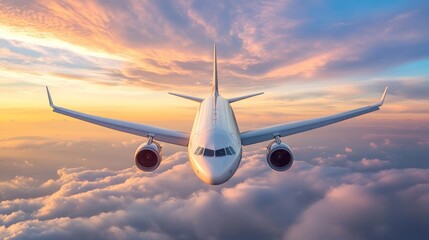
x=383, y=97
x=51, y=103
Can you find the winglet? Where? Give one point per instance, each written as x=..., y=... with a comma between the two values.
x=383, y=97
x=51, y=103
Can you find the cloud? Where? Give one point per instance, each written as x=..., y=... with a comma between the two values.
x=170, y=203
x=366, y=163
x=345, y=211
x=131, y=43
x=24, y=187
x=414, y=88
x=341, y=214
x=343, y=160
x=373, y=145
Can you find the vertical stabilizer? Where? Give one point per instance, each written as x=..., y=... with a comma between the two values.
x=215, y=90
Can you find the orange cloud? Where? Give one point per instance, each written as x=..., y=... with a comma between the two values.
x=308, y=67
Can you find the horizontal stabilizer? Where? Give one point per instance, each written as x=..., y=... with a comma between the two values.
x=231, y=100
x=196, y=99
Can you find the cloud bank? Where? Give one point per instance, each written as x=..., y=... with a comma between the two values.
x=307, y=202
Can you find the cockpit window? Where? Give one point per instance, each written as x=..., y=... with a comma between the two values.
x=228, y=151
x=201, y=151
x=208, y=152
x=220, y=152
x=197, y=150
x=232, y=150
x=211, y=153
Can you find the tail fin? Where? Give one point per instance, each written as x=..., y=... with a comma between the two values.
x=215, y=89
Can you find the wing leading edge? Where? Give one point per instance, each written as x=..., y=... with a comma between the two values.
x=161, y=134
x=282, y=130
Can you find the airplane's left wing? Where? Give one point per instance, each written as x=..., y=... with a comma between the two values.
x=161, y=134
x=282, y=130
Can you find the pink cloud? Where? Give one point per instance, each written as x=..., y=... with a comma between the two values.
x=366, y=163
x=343, y=204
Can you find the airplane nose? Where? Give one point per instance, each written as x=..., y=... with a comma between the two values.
x=216, y=178
x=215, y=171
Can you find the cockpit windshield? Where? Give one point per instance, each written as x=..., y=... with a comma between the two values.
x=199, y=151
x=208, y=152
x=220, y=152
x=211, y=153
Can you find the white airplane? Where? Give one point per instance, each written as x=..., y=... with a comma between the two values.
x=215, y=142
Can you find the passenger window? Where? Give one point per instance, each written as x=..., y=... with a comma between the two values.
x=197, y=150
x=201, y=151
x=232, y=150
x=220, y=152
x=208, y=152
x=228, y=151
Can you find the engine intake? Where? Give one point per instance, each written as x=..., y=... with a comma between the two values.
x=279, y=156
x=148, y=156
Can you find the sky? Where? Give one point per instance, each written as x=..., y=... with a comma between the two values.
x=365, y=178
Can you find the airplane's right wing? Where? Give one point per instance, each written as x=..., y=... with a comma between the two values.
x=161, y=134
x=282, y=130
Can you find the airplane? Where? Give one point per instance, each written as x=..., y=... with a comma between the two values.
x=215, y=143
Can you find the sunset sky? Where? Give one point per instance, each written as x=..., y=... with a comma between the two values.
x=366, y=178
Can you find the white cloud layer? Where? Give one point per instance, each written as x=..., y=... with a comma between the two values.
x=307, y=202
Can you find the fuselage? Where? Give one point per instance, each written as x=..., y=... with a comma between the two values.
x=214, y=147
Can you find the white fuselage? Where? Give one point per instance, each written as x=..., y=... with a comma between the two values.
x=214, y=133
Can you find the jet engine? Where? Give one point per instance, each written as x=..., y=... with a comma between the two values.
x=279, y=156
x=148, y=156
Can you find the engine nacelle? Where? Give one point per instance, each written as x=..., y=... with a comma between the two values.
x=279, y=156
x=148, y=156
